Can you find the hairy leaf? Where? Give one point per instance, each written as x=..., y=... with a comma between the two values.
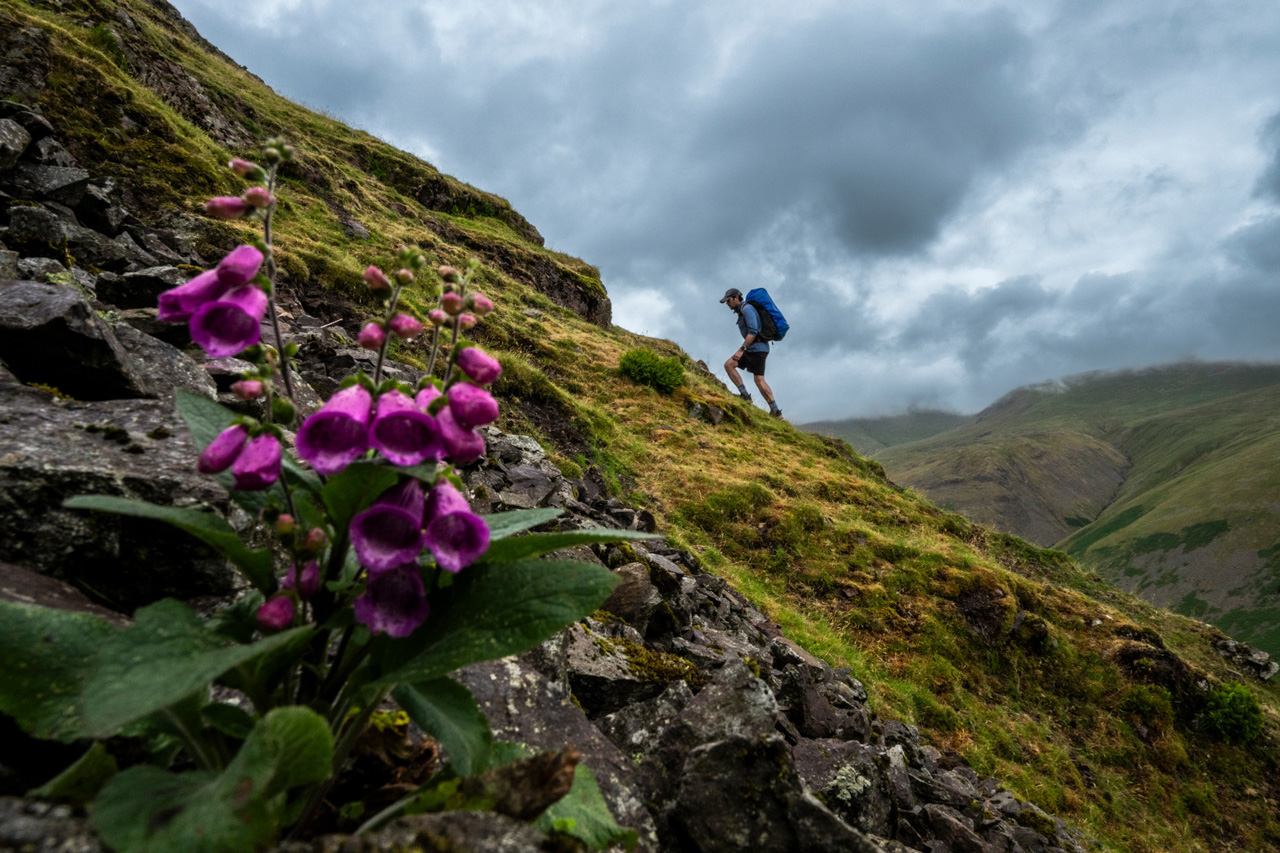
x=542, y=543
x=504, y=524
x=82, y=781
x=583, y=814
x=445, y=709
x=353, y=489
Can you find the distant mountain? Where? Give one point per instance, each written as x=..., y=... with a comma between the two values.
x=1163, y=480
x=871, y=435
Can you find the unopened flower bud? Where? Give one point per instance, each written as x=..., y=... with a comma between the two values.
x=437, y=317
x=371, y=336
x=479, y=303
x=404, y=276
x=247, y=170
x=226, y=207
x=316, y=540
x=258, y=197
x=248, y=389
x=466, y=321
x=405, y=327
x=283, y=411
x=450, y=274
x=286, y=525
x=376, y=279
x=272, y=155
x=451, y=303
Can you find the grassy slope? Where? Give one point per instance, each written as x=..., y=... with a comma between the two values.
x=870, y=435
x=1162, y=480
x=859, y=571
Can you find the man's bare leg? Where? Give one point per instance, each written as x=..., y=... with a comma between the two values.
x=731, y=368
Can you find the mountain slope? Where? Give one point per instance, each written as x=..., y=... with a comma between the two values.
x=1163, y=480
x=870, y=435
x=1008, y=656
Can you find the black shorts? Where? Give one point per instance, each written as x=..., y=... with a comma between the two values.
x=753, y=362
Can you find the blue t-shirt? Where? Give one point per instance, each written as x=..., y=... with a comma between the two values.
x=749, y=324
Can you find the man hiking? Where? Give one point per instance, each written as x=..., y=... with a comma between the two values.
x=753, y=352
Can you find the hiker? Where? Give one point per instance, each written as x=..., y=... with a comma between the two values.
x=753, y=352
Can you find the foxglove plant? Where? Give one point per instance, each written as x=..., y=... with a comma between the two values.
x=380, y=580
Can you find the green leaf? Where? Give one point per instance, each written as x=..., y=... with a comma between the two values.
x=447, y=711
x=165, y=656
x=47, y=655
x=492, y=611
x=82, y=781
x=205, y=526
x=148, y=810
x=542, y=543
x=353, y=489
x=583, y=814
x=504, y=524
x=229, y=719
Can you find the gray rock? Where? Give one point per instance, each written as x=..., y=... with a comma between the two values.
x=36, y=231
x=99, y=211
x=851, y=780
x=955, y=830
x=528, y=487
x=41, y=269
x=51, y=450
x=14, y=140
x=40, y=827
x=8, y=265
x=140, y=289
x=457, y=831
x=602, y=676
x=636, y=728
x=355, y=230
x=523, y=706
x=635, y=599
x=49, y=152
x=64, y=184
x=158, y=368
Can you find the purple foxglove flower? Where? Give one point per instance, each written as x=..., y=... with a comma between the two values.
x=243, y=168
x=178, y=304
x=479, y=303
x=462, y=445
x=371, y=336
x=248, y=389
x=466, y=321
x=229, y=325
x=425, y=396
x=258, y=465
x=276, y=614
x=457, y=540
x=309, y=582
x=437, y=317
x=376, y=279
x=394, y=603
x=404, y=433
x=451, y=303
x=444, y=499
x=472, y=406
x=226, y=207
x=405, y=327
x=479, y=365
x=258, y=197
x=239, y=266
x=338, y=434
x=223, y=450
x=389, y=532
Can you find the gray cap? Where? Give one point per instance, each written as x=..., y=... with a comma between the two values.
x=733, y=291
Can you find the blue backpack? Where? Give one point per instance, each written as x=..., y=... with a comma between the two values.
x=773, y=326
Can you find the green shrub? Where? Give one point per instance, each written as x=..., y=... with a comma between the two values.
x=1233, y=714
x=642, y=366
x=1150, y=706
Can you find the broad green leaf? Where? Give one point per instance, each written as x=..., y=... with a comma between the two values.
x=165, y=656
x=492, y=611
x=204, y=417
x=229, y=719
x=504, y=524
x=583, y=814
x=205, y=526
x=541, y=543
x=148, y=810
x=82, y=781
x=46, y=656
x=446, y=710
x=353, y=489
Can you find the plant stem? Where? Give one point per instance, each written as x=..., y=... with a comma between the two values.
x=271, y=295
x=386, y=334
x=192, y=743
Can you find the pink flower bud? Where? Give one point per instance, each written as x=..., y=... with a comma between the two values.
x=307, y=584
x=479, y=303
x=404, y=276
x=316, y=539
x=371, y=336
x=226, y=207
x=376, y=279
x=405, y=327
x=452, y=304
x=450, y=273
x=276, y=614
x=248, y=389
x=479, y=365
x=437, y=317
x=466, y=321
x=258, y=197
x=244, y=168
x=286, y=524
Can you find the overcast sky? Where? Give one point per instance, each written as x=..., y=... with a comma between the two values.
x=947, y=199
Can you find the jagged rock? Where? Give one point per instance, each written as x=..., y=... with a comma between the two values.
x=1255, y=661
x=36, y=231
x=32, y=122
x=355, y=230
x=65, y=184
x=456, y=832
x=8, y=265
x=743, y=794
x=635, y=599
x=139, y=289
x=45, y=270
x=527, y=487
x=851, y=779
x=24, y=586
x=601, y=674
x=51, y=450
x=98, y=211
x=635, y=729
x=524, y=706
x=28, y=825
x=14, y=140
x=90, y=247
x=157, y=368
x=49, y=152
x=954, y=830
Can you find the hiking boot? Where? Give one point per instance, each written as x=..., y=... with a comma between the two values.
x=777, y=413
x=746, y=395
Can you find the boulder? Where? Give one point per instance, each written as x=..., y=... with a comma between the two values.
x=65, y=184
x=14, y=139
x=141, y=288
